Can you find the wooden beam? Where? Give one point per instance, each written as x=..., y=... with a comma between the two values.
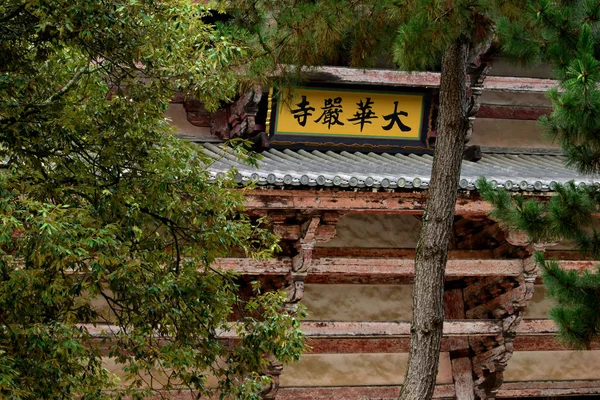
x=316, y=329
x=362, y=345
x=358, y=252
x=355, y=393
x=425, y=79
x=512, y=112
x=385, y=266
x=369, y=266
x=536, y=342
x=537, y=327
x=360, y=279
x=510, y=390
x=462, y=368
x=371, y=329
x=320, y=393
x=359, y=202
x=541, y=342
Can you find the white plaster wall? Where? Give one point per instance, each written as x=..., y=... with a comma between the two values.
x=514, y=133
x=376, y=231
x=515, y=99
x=553, y=366
x=539, y=306
x=355, y=369
x=358, y=302
x=176, y=113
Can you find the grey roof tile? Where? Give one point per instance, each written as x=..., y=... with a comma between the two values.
x=519, y=172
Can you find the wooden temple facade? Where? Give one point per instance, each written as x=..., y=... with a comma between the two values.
x=348, y=222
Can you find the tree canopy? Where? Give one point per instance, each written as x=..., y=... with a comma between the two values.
x=100, y=203
x=565, y=34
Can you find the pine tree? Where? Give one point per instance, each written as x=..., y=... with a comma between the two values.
x=565, y=34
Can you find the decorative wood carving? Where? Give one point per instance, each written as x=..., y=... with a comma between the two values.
x=305, y=230
x=478, y=69
x=273, y=371
x=239, y=119
x=505, y=299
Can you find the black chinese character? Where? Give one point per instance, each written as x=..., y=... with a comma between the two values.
x=364, y=113
x=331, y=112
x=395, y=119
x=302, y=112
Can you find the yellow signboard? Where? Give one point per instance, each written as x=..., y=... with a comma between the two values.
x=351, y=113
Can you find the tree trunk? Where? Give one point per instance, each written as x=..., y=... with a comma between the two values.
x=432, y=248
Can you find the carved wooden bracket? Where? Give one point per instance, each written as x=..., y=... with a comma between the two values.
x=240, y=118
x=235, y=120
x=478, y=69
x=505, y=299
x=305, y=232
x=274, y=370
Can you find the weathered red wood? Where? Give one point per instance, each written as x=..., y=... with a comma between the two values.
x=356, y=252
x=361, y=345
x=578, y=265
x=536, y=327
x=355, y=393
x=568, y=255
x=544, y=343
x=274, y=266
x=369, y=266
x=317, y=329
x=428, y=79
x=353, y=329
x=395, y=344
x=548, y=389
x=345, y=201
x=536, y=342
x=341, y=279
x=462, y=369
x=512, y=112
x=509, y=390
x=406, y=266
x=506, y=303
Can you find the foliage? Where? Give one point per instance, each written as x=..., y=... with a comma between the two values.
x=565, y=34
x=410, y=34
x=569, y=214
x=106, y=217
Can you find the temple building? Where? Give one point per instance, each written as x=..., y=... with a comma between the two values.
x=343, y=180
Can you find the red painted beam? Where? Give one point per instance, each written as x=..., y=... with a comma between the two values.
x=510, y=390
x=331, y=266
x=355, y=393
x=544, y=343
x=357, y=252
x=358, y=202
x=371, y=329
x=369, y=266
x=512, y=112
x=426, y=79
x=538, y=342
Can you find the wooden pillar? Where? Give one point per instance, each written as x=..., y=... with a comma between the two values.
x=462, y=369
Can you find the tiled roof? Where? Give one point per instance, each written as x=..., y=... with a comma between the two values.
x=300, y=168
